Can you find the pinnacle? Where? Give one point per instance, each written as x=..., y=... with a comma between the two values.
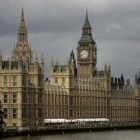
x=86, y=24
x=22, y=23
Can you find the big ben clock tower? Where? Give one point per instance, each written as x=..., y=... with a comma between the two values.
x=86, y=51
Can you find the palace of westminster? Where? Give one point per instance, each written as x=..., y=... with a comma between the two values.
x=73, y=91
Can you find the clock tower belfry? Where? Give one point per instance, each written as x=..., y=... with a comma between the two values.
x=86, y=51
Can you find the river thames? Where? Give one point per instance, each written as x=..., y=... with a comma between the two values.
x=104, y=135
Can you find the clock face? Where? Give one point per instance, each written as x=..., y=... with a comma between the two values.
x=84, y=54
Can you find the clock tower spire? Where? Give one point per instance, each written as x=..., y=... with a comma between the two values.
x=86, y=51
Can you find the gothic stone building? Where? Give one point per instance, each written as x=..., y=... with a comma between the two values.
x=73, y=91
x=85, y=92
x=22, y=83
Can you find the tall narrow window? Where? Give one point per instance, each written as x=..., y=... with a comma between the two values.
x=56, y=81
x=23, y=113
x=23, y=98
x=5, y=98
x=24, y=80
x=5, y=81
x=39, y=113
x=39, y=98
x=5, y=113
x=63, y=81
x=14, y=113
x=14, y=98
x=40, y=82
x=14, y=81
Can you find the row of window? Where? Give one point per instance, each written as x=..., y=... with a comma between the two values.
x=6, y=81
x=5, y=99
x=14, y=98
x=63, y=81
x=6, y=113
x=23, y=113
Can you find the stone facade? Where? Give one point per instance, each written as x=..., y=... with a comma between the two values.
x=72, y=92
x=22, y=84
x=85, y=92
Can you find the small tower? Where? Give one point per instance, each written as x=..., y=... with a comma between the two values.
x=73, y=63
x=136, y=78
x=52, y=65
x=36, y=58
x=36, y=66
x=68, y=64
x=105, y=69
x=22, y=46
x=42, y=63
x=0, y=60
x=57, y=62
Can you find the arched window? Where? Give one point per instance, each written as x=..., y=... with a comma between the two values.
x=5, y=81
x=14, y=81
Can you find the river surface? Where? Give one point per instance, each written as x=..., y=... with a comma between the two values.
x=104, y=135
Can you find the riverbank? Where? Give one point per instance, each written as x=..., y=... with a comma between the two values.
x=62, y=129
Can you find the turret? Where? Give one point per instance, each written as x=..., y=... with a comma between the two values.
x=36, y=62
x=57, y=62
x=0, y=60
x=72, y=67
x=68, y=62
x=9, y=63
x=42, y=63
x=52, y=65
x=105, y=69
x=36, y=58
x=109, y=68
x=136, y=78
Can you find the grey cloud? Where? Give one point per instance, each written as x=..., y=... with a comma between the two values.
x=54, y=27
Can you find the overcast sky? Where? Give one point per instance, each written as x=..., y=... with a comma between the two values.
x=54, y=27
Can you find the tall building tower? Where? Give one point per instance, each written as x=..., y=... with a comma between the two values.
x=86, y=51
x=22, y=46
x=22, y=84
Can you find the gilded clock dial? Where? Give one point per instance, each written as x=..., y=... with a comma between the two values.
x=84, y=54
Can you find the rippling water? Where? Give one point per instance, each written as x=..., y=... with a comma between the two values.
x=105, y=135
